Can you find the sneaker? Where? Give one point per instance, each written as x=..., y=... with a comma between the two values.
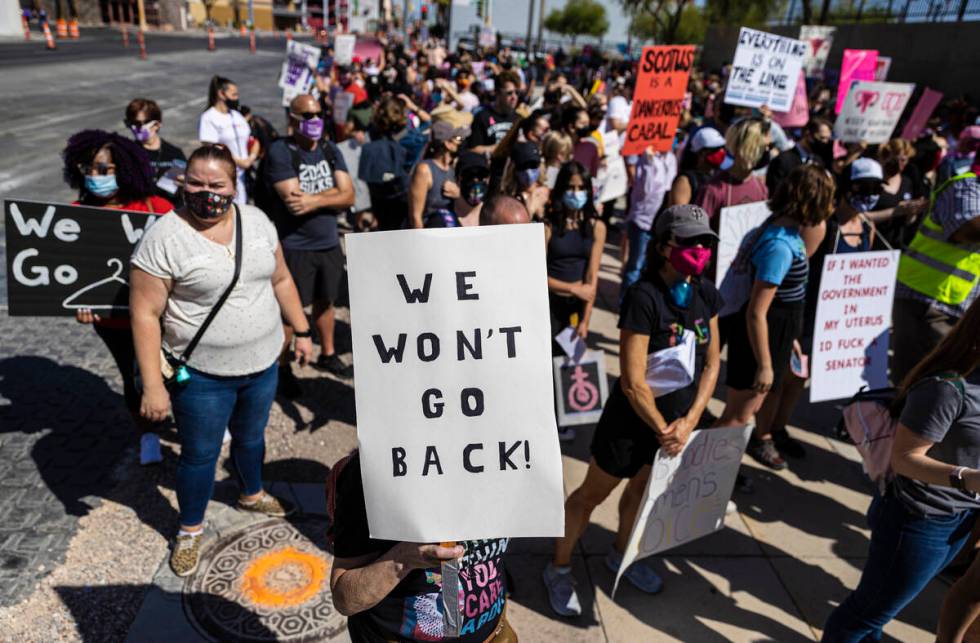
x=765, y=452
x=288, y=386
x=731, y=507
x=150, y=449
x=566, y=434
x=268, y=505
x=642, y=577
x=186, y=554
x=334, y=365
x=788, y=444
x=561, y=591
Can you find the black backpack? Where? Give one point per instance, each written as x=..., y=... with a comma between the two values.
x=265, y=196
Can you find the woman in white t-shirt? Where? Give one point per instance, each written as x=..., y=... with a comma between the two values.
x=180, y=270
x=223, y=123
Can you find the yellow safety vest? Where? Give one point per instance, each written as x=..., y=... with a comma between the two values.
x=936, y=268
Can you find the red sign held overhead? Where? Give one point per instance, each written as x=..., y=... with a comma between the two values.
x=658, y=98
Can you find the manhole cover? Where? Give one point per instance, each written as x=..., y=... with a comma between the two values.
x=266, y=583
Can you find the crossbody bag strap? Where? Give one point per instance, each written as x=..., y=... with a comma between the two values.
x=239, y=233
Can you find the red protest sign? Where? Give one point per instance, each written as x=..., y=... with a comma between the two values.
x=660, y=89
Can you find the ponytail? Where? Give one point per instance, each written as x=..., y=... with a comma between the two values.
x=217, y=84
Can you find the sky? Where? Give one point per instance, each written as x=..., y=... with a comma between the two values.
x=510, y=17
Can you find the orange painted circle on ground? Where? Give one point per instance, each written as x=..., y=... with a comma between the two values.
x=284, y=578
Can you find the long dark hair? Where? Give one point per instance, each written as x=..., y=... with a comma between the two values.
x=217, y=84
x=557, y=214
x=959, y=353
x=133, y=172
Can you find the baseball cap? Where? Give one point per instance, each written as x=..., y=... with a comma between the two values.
x=525, y=154
x=863, y=169
x=444, y=131
x=472, y=163
x=707, y=138
x=683, y=222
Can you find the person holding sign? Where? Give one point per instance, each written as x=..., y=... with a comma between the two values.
x=221, y=351
x=669, y=324
x=926, y=515
x=112, y=172
x=746, y=141
x=144, y=119
x=434, y=186
x=762, y=333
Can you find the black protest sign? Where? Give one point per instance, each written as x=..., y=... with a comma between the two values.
x=61, y=258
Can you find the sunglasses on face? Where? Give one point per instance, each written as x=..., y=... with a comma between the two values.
x=307, y=115
x=140, y=124
x=704, y=241
x=90, y=169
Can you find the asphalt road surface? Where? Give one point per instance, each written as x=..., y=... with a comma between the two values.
x=47, y=96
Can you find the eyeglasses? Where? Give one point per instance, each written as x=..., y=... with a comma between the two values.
x=89, y=169
x=306, y=116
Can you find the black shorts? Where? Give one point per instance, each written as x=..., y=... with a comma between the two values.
x=785, y=321
x=318, y=273
x=622, y=442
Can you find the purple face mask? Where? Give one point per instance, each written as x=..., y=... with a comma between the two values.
x=141, y=133
x=312, y=129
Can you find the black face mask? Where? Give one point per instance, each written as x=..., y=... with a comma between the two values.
x=232, y=104
x=206, y=204
x=824, y=150
x=582, y=132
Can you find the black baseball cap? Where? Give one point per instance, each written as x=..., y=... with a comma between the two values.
x=683, y=222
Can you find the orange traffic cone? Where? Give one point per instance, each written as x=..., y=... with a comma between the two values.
x=142, y=42
x=73, y=28
x=251, y=40
x=62, y=27
x=48, y=39
x=210, y=38
x=125, y=35
x=27, y=27
x=289, y=35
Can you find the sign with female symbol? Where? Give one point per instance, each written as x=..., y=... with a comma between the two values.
x=581, y=388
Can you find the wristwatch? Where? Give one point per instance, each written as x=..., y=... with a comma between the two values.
x=956, y=479
x=303, y=333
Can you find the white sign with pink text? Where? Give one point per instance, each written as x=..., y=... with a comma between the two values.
x=851, y=333
x=871, y=111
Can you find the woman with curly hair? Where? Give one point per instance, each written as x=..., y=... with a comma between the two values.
x=762, y=335
x=110, y=171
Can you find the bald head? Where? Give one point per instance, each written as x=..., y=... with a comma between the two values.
x=501, y=209
x=304, y=103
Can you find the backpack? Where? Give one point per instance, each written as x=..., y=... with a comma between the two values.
x=870, y=420
x=265, y=196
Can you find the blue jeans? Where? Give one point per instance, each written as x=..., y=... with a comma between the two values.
x=203, y=407
x=639, y=239
x=906, y=552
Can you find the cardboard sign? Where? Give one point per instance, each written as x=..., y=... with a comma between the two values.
x=612, y=179
x=883, y=64
x=734, y=223
x=799, y=114
x=297, y=72
x=660, y=89
x=343, y=48
x=687, y=495
x=488, y=37
x=871, y=112
x=854, y=313
x=857, y=64
x=921, y=114
x=819, y=40
x=452, y=349
x=342, y=102
x=765, y=70
x=64, y=257
x=581, y=389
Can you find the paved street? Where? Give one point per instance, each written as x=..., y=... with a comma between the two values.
x=84, y=530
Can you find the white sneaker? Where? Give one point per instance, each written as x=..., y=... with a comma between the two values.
x=227, y=438
x=150, y=449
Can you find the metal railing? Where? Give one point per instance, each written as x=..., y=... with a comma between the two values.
x=879, y=11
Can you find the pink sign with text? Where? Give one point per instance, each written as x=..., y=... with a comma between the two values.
x=920, y=115
x=799, y=114
x=857, y=64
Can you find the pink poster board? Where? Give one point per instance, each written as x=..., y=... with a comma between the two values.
x=857, y=64
x=799, y=114
x=920, y=115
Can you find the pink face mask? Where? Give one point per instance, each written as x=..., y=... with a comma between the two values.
x=689, y=261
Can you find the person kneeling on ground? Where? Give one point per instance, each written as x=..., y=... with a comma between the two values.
x=670, y=304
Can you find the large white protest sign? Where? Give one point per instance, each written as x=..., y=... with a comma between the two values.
x=765, y=70
x=734, y=223
x=452, y=349
x=819, y=39
x=612, y=178
x=871, y=111
x=854, y=313
x=296, y=76
x=687, y=495
x=343, y=48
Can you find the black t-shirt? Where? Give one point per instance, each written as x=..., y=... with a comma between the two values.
x=167, y=158
x=317, y=230
x=490, y=127
x=649, y=309
x=413, y=611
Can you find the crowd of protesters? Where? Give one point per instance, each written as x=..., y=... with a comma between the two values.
x=439, y=138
